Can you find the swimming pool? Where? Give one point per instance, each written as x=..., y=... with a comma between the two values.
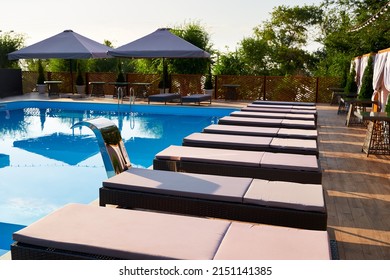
x=45, y=164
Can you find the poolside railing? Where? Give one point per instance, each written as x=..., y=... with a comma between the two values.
x=277, y=88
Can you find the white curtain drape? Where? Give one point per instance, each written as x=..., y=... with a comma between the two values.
x=386, y=82
x=363, y=65
x=356, y=61
x=379, y=66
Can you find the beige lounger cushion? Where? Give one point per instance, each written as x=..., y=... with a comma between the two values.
x=308, y=117
x=244, y=141
x=290, y=161
x=126, y=234
x=237, y=129
x=300, y=107
x=290, y=132
x=181, y=184
x=221, y=156
x=266, y=109
x=258, y=114
x=239, y=157
x=276, y=115
x=260, y=242
x=267, y=122
x=306, y=197
x=253, y=121
x=132, y=234
x=292, y=143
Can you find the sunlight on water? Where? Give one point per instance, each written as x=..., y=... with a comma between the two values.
x=45, y=164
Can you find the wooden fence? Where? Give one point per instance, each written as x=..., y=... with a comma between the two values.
x=287, y=88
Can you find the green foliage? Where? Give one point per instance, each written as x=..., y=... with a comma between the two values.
x=79, y=78
x=277, y=46
x=366, y=89
x=194, y=33
x=41, y=75
x=9, y=42
x=339, y=43
x=351, y=86
x=229, y=64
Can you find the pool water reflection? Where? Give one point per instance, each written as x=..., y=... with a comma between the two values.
x=47, y=164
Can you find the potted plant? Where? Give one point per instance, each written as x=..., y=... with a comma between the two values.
x=120, y=86
x=120, y=77
x=208, y=84
x=165, y=83
x=80, y=84
x=41, y=86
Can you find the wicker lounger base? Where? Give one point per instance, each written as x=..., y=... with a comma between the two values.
x=297, y=176
x=196, y=98
x=21, y=251
x=233, y=146
x=212, y=208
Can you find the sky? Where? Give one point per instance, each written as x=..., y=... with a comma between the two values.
x=123, y=21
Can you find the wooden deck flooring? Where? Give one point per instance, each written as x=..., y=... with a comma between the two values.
x=357, y=189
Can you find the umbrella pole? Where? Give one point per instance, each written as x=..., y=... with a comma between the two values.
x=71, y=75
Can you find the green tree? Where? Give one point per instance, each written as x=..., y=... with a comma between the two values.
x=278, y=46
x=197, y=35
x=287, y=35
x=229, y=64
x=9, y=42
x=351, y=86
x=342, y=40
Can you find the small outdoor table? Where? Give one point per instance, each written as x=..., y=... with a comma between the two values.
x=52, y=87
x=356, y=105
x=337, y=93
x=121, y=89
x=97, y=89
x=231, y=91
x=344, y=102
x=377, y=139
x=141, y=89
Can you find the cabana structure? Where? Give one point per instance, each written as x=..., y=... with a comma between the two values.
x=381, y=78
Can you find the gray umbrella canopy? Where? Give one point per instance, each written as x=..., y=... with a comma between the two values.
x=65, y=45
x=159, y=44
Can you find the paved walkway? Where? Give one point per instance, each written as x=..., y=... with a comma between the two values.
x=357, y=189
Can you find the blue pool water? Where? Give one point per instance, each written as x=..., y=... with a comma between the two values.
x=45, y=164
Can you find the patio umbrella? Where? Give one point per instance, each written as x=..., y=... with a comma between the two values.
x=65, y=45
x=159, y=44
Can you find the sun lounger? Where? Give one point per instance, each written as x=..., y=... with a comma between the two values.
x=242, y=199
x=262, y=131
x=252, y=143
x=78, y=231
x=284, y=103
x=271, y=109
x=271, y=115
x=196, y=98
x=164, y=97
x=282, y=106
x=237, y=163
x=264, y=122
